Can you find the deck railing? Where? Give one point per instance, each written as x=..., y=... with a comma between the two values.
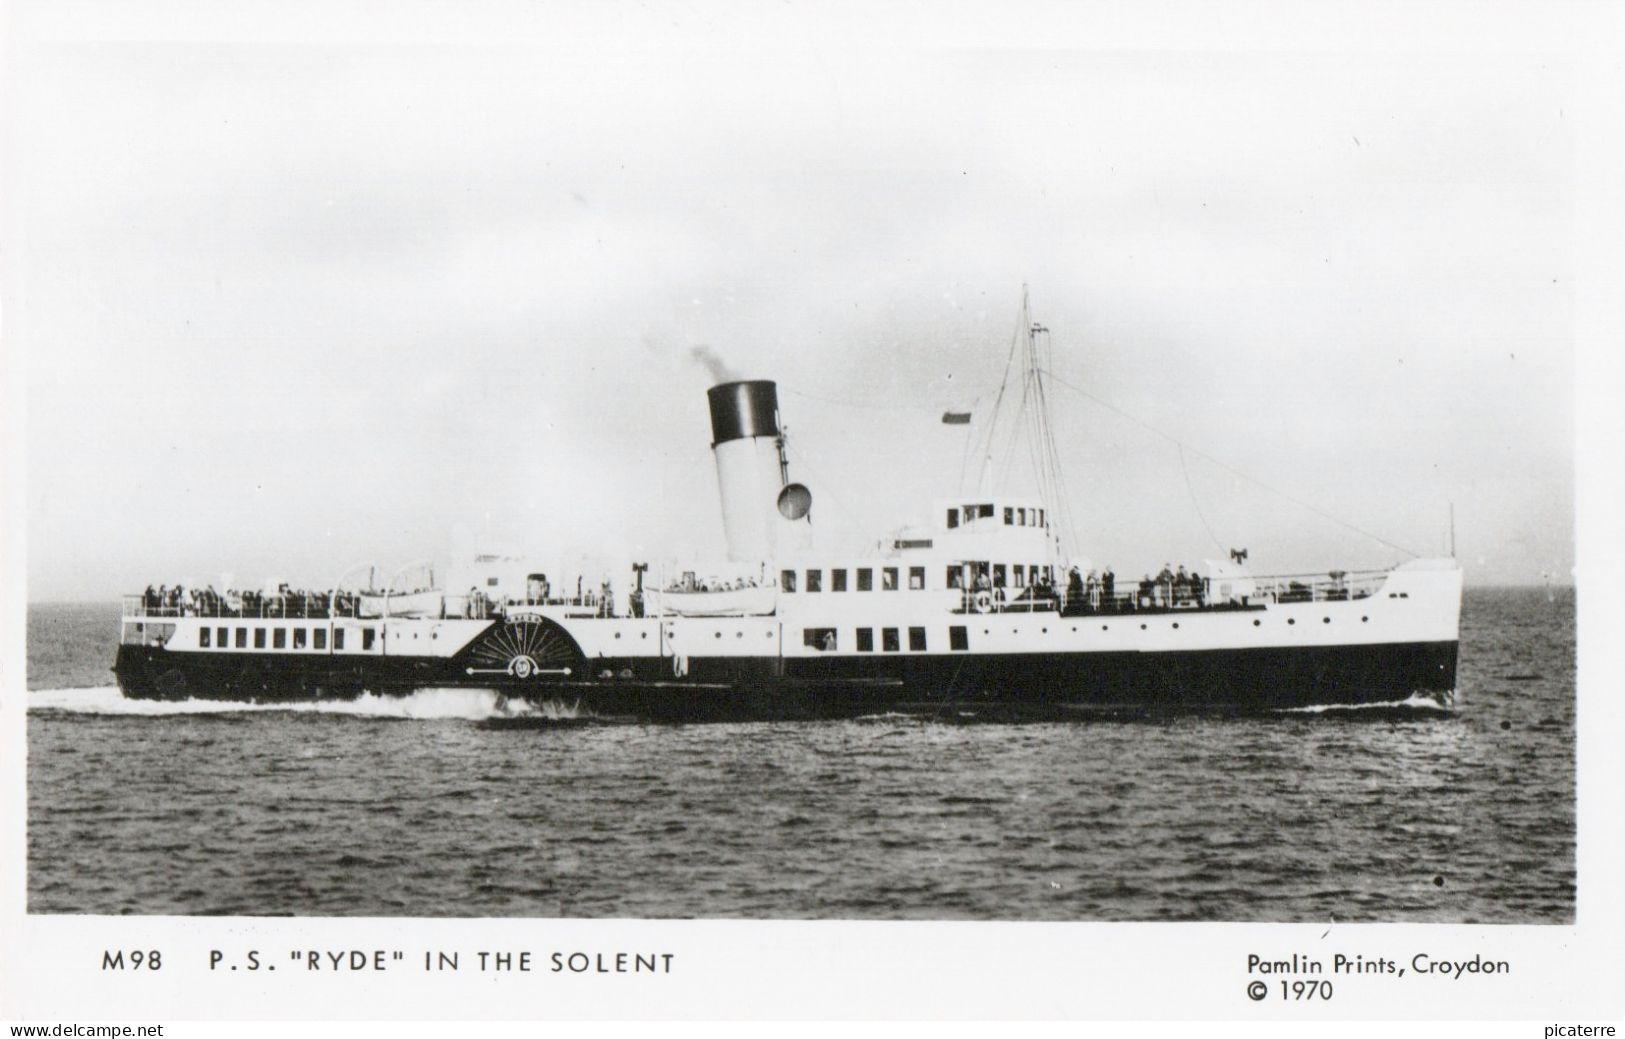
x=1241, y=591
x=1193, y=594
x=249, y=604
x=327, y=605
x=1340, y=586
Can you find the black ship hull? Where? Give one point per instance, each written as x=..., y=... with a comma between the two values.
x=1013, y=686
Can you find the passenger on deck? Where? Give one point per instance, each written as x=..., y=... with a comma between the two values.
x=1165, y=586
x=1148, y=592
x=1108, y=587
x=1046, y=591
x=1074, y=588
x=1182, y=586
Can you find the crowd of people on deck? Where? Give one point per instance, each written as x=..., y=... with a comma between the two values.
x=286, y=601
x=690, y=583
x=1094, y=591
x=1085, y=592
x=990, y=592
x=1170, y=589
x=539, y=592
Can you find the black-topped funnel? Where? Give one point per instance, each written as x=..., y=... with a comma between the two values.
x=743, y=409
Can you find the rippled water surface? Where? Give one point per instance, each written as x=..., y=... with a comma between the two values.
x=421, y=808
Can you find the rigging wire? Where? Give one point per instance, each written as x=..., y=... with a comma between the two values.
x=1009, y=453
x=1061, y=496
x=847, y=517
x=877, y=405
x=1233, y=470
x=974, y=407
x=964, y=459
x=1196, y=504
x=1032, y=425
x=1033, y=415
x=998, y=401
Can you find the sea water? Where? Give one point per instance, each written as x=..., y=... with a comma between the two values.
x=417, y=807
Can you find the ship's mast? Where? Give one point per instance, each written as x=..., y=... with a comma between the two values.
x=1032, y=425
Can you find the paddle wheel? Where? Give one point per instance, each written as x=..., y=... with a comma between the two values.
x=525, y=646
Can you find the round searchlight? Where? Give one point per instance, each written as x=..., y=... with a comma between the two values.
x=795, y=501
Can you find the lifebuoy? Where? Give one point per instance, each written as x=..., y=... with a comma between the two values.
x=521, y=667
x=983, y=602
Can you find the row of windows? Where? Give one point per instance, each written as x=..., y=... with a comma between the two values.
x=314, y=638
x=1014, y=515
x=828, y=639
x=889, y=576
x=1000, y=574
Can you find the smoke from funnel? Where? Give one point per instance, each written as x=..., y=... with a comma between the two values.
x=720, y=372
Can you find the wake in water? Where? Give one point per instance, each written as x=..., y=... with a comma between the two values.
x=499, y=712
x=1414, y=706
x=425, y=704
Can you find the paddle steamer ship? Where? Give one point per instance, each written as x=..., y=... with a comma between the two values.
x=978, y=614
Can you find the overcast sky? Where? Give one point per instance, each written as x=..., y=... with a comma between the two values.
x=294, y=304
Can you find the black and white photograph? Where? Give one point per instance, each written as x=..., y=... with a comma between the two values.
x=712, y=462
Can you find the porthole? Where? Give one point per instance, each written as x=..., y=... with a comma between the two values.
x=1292, y=620
x=1043, y=631
x=1325, y=620
x=1105, y=627
x=739, y=634
x=1176, y=624
x=617, y=634
x=1142, y=627
x=1364, y=620
x=643, y=635
x=1257, y=623
x=719, y=634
